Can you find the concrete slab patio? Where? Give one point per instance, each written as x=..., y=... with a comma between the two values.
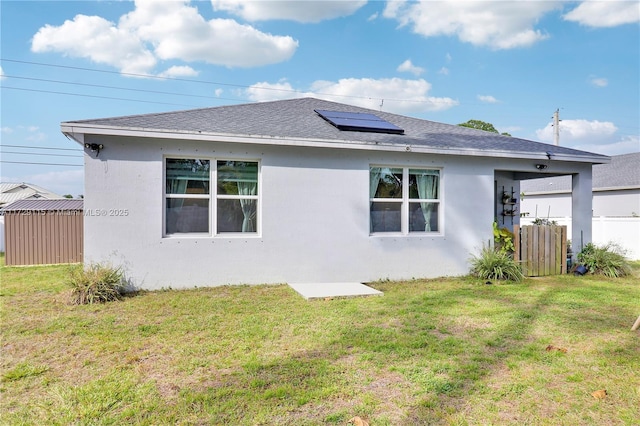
x=327, y=290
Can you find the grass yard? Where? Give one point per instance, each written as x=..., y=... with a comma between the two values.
x=447, y=351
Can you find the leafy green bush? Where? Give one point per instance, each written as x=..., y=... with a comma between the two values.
x=503, y=238
x=96, y=284
x=495, y=264
x=605, y=260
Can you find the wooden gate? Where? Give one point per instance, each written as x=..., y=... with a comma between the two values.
x=541, y=249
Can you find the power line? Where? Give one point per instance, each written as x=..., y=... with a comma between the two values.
x=38, y=153
x=95, y=96
x=73, y=83
x=214, y=83
x=40, y=147
x=156, y=77
x=41, y=164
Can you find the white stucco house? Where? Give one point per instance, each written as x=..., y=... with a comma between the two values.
x=303, y=190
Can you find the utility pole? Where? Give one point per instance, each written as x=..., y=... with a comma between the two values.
x=556, y=127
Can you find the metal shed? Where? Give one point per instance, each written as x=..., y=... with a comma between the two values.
x=39, y=232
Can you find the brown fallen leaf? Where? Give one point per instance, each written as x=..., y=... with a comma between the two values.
x=599, y=394
x=555, y=348
x=358, y=421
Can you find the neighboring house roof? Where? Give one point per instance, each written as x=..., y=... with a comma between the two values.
x=10, y=192
x=64, y=204
x=623, y=172
x=295, y=122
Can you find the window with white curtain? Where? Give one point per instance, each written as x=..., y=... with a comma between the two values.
x=211, y=196
x=404, y=200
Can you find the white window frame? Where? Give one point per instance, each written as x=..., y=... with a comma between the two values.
x=406, y=201
x=216, y=196
x=213, y=198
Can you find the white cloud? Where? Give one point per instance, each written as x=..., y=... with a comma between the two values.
x=2, y=76
x=97, y=39
x=488, y=99
x=498, y=25
x=6, y=129
x=605, y=13
x=373, y=17
x=583, y=131
x=61, y=182
x=299, y=10
x=167, y=30
x=623, y=145
x=444, y=71
x=599, y=82
x=265, y=91
x=179, y=71
x=407, y=66
x=395, y=94
x=218, y=92
x=593, y=136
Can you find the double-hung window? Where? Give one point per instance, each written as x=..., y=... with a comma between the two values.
x=211, y=196
x=404, y=200
x=237, y=196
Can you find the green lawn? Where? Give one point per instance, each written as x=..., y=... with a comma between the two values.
x=447, y=351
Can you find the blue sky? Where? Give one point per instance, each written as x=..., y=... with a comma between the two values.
x=510, y=63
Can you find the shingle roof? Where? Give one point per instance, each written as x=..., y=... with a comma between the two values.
x=622, y=172
x=296, y=119
x=64, y=204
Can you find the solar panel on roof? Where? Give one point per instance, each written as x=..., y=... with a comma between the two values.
x=359, y=122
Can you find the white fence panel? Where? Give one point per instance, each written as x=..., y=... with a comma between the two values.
x=624, y=231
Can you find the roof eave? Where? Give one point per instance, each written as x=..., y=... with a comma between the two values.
x=76, y=131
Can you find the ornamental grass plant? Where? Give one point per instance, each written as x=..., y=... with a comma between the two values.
x=96, y=283
x=607, y=260
x=493, y=264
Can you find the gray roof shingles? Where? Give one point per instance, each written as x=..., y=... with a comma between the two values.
x=296, y=118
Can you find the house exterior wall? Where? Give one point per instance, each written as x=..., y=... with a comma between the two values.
x=549, y=205
x=614, y=203
x=314, y=216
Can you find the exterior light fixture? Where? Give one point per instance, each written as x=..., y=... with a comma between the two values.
x=94, y=147
x=541, y=166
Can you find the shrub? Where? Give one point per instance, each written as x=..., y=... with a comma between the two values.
x=96, y=284
x=495, y=264
x=606, y=260
x=503, y=238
